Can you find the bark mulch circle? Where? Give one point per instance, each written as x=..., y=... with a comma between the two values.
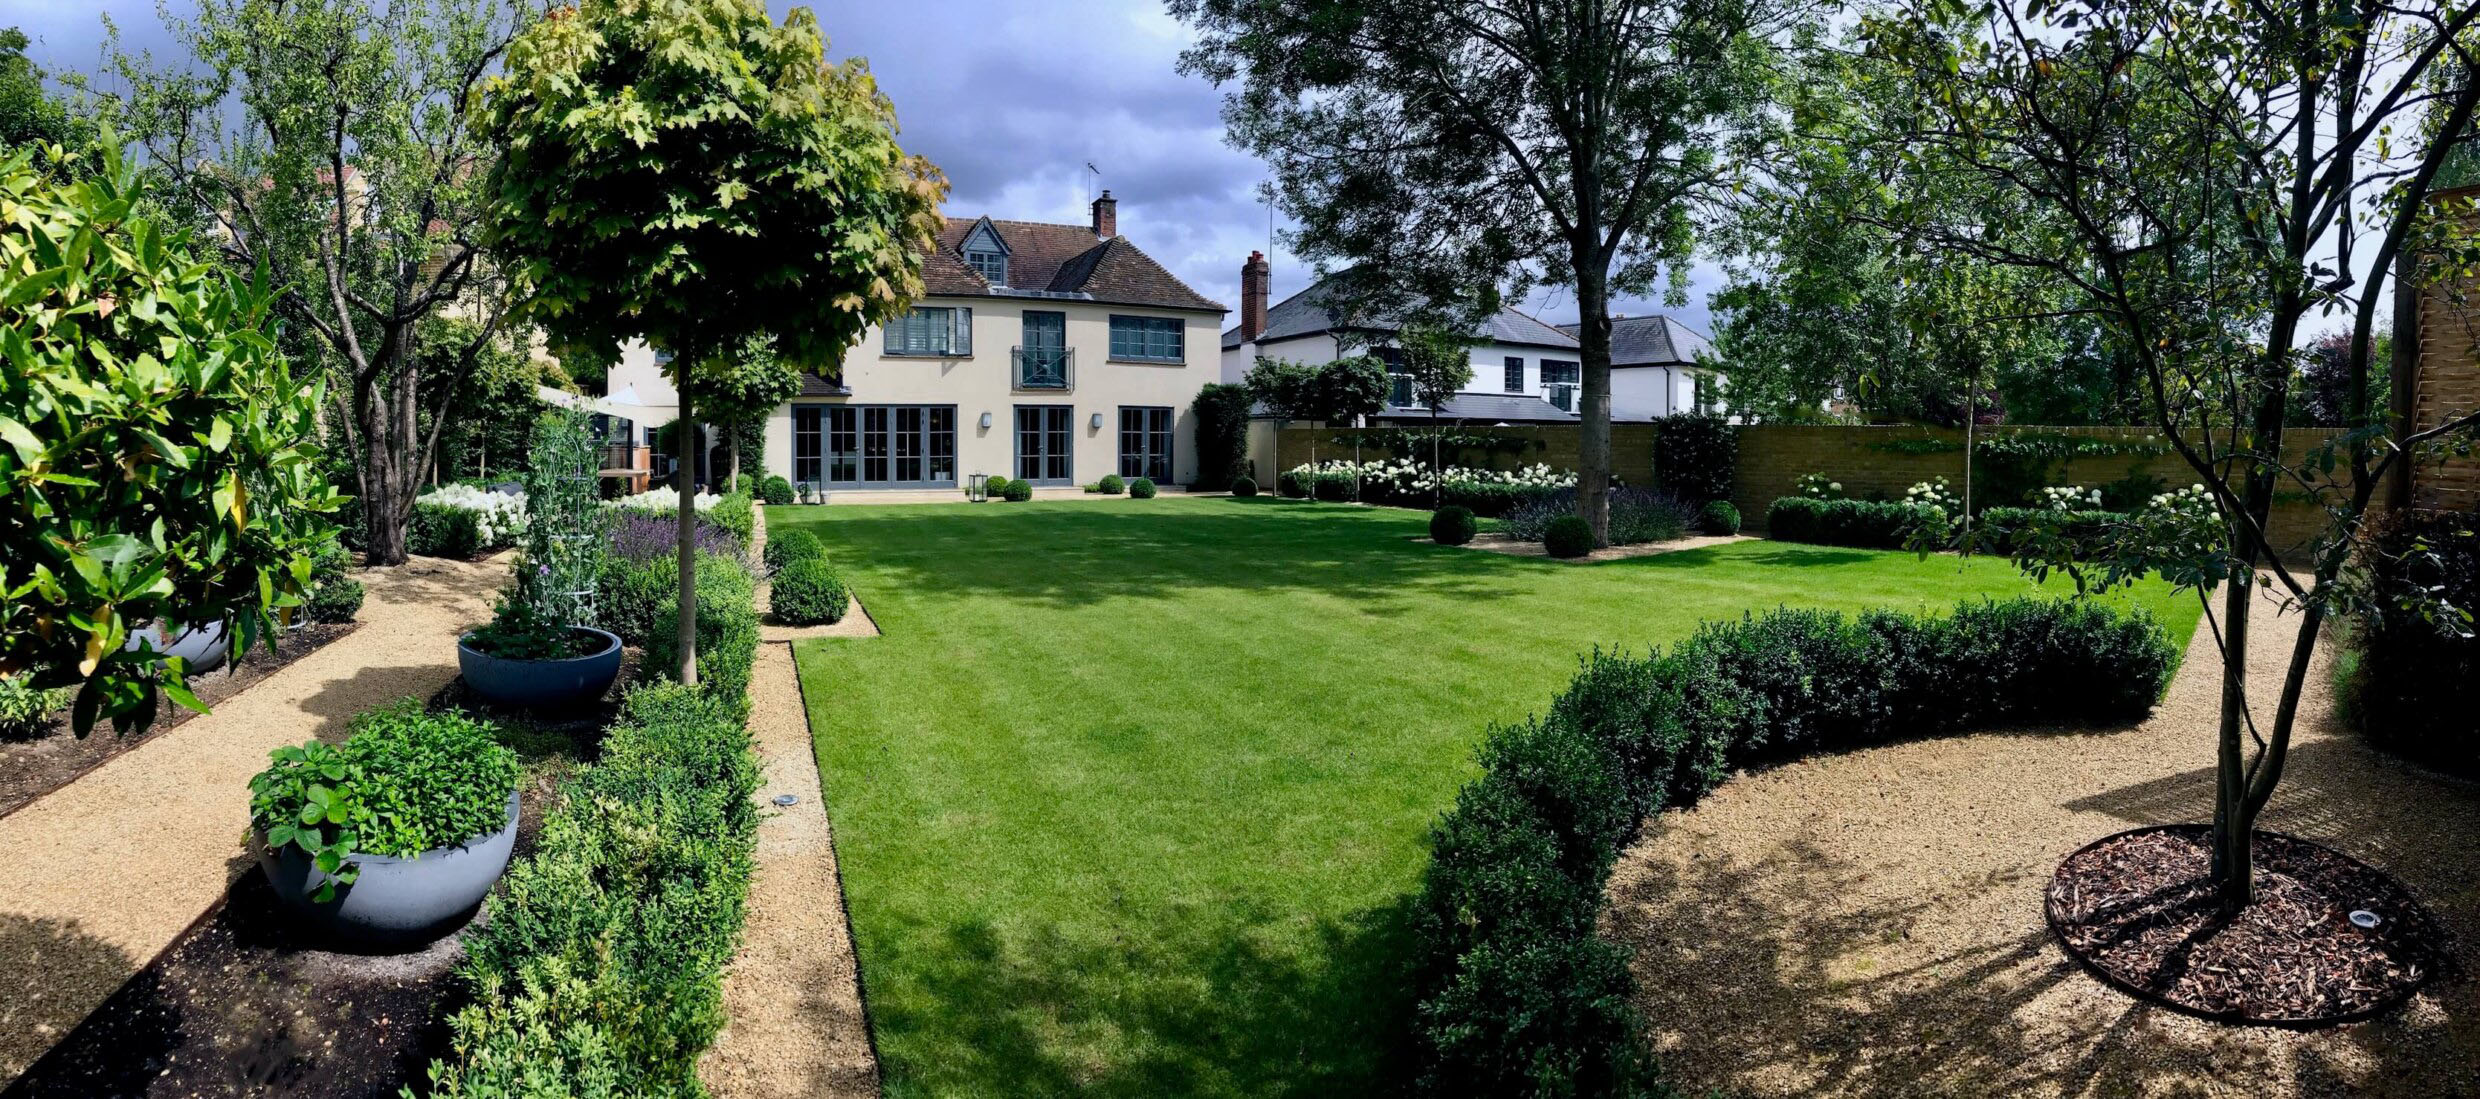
x=2137, y=910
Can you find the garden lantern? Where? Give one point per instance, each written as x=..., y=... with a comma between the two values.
x=977, y=488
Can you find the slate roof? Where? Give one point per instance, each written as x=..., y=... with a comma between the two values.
x=1651, y=340
x=1488, y=408
x=1304, y=314
x=1064, y=259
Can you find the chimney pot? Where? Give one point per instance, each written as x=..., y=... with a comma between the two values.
x=1256, y=279
x=1106, y=215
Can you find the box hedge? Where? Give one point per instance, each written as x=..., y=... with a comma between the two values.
x=1452, y=525
x=809, y=592
x=1517, y=995
x=1863, y=524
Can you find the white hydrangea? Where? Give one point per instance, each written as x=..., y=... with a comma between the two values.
x=666, y=499
x=1413, y=475
x=1817, y=486
x=500, y=516
x=1936, y=494
x=2067, y=498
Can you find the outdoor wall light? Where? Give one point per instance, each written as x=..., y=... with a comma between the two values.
x=985, y=421
x=1096, y=422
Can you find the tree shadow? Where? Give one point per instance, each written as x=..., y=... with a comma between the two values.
x=1208, y=1001
x=55, y=973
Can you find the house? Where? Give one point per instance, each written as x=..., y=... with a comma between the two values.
x=1524, y=371
x=1052, y=353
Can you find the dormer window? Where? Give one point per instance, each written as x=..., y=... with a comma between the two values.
x=992, y=265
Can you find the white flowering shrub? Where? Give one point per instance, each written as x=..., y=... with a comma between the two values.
x=2067, y=498
x=498, y=517
x=1387, y=477
x=665, y=499
x=1934, y=494
x=1817, y=486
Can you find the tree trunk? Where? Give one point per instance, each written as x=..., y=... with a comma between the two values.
x=686, y=445
x=384, y=508
x=2233, y=872
x=1593, y=440
x=731, y=459
x=1970, y=419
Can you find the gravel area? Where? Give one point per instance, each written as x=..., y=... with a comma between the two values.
x=1495, y=542
x=98, y=877
x=1871, y=923
x=793, y=992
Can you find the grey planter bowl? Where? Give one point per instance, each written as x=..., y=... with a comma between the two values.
x=202, y=647
x=393, y=903
x=541, y=684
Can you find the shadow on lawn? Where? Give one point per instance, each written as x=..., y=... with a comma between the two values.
x=1195, y=1006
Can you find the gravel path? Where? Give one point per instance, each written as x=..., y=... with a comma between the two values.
x=793, y=992
x=100, y=876
x=1870, y=923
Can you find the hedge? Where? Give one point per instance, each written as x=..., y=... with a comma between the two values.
x=727, y=628
x=793, y=545
x=2004, y=524
x=809, y=592
x=2412, y=684
x=1866, y=524
x=736, y=512
x=775, y=490
x=1222, y=413
x=443, y=530
x=1517, y=995
x=598, y=969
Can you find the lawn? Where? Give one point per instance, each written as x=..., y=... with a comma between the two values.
x=1130, y=796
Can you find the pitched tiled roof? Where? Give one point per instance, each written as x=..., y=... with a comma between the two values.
x=1305, y=314
x=1065, y=259
x=1651, y=340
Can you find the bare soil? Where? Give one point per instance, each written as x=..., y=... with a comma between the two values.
x=33, y=766
x=1871, y=923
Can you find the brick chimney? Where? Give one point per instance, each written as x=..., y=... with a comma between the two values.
x=1106, y=216
x=1256, y=279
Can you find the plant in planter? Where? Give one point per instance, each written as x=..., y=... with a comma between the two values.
x=392, y=836
x=542, y=648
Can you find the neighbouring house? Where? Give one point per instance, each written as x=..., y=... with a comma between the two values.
x=1524, y=371
x=1050, y=353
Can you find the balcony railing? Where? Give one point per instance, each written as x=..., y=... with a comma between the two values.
x=1044, y=367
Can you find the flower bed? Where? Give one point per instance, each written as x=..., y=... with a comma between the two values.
x=463, y=521
x=1518, y=995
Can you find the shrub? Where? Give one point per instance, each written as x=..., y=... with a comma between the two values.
x=2416, y=682
x=995, y=488
x=1452, y=525
x=793, y=545
x=642, y=536
x=443, y=530
x=1111, y=485
x=1244, y=485
x=1222, y=413
x=1568, y=536
x=1859, y=523
x=335, y=596
x=26, y=708
x=737, y=513
x=1019, y=490
x=1497, y=500
x=1517, y=994
x=727, y=628
x=598, y=968
x=2001, y=527
x=1142, y=488
x=1695, y=455
x=809, y=592
x=775, y=490
x=1718, y=517
x=1335, y=487
x=1293, y=484
x=403, y=782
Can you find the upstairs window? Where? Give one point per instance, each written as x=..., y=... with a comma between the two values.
x=992, y=265
x=1148, y=339
x=1554, y=372
x=933, y=330
x=1515, y=374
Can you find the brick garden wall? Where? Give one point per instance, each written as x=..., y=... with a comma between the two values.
x=2445, y=385
x=1631, y=448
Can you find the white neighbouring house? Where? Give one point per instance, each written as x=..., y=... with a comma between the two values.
x=1524, y=371
x=1052, y=353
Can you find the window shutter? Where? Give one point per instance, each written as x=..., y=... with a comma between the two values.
x=961, y=344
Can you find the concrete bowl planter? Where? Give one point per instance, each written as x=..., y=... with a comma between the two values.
x=200, y=647
x=541, y=684
x=393, y=903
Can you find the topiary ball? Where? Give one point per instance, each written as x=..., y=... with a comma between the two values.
x=1568, y=536
x=793, y=545
x=1142, y=488
x=1719, y=517
x=808, y=592
x=995, y=489
x=334, y=601
x=1111, y=485
x=1244, y=486
x=1451, y=525
x=775, y=490
x=1019, y=490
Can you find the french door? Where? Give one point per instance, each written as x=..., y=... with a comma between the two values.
x=874, y=446
x=1145, y=443
x=1044, y=439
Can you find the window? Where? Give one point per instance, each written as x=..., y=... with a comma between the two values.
x=934, y=330
x=1145, y=443
x=1554, y=372
x=805, y=444
x=874, y=445
x=1515, y=374
x=1707, y=397
x=1148, y=339
x=992, y=265
x=1043, y=436
x=1398, y=383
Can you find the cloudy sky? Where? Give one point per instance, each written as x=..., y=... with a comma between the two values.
x=1013, y=98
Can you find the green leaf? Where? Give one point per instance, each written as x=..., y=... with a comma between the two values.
x=29, y=449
